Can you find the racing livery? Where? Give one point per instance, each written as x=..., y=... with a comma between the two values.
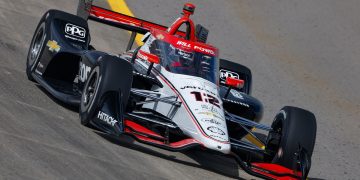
x=172, y=92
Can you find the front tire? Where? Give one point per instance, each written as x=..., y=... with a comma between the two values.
x=293, y=128
x=90, y=96
x=36, y=49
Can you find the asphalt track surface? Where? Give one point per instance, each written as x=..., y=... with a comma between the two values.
x=302, y=53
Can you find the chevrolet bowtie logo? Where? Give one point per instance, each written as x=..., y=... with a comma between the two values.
x=53, y=46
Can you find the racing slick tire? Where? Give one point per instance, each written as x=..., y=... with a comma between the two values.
x=292, y=128
x=37, y=46
x=101, y=81
x=90, y=95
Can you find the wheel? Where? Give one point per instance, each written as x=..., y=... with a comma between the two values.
x=293, y=128
x=90, y=96
x=36, y=48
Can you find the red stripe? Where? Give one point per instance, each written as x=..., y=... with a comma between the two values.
x=276, y=169
x=141, y=129
x=178, y=144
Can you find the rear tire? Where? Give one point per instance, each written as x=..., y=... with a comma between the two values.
x=292, y=128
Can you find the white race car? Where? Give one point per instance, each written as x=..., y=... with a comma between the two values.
x=172, y=92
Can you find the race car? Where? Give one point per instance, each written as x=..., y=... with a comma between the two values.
x=172, y=92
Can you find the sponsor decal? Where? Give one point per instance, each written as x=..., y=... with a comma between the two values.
x=212, y=121
x=75, y=39
x=190, y=87
x=216, y=130
x=202, y=49
x=218, y=137
x=226, y=73
x=199, y=88
x=84, y=72
x=210, y=114
x=236, y=94
x=74, y=32
x=211, y=109
x=236, y=102
x=53, y=46
x=184, y=54
x=196, y=48
x=184, y=44
x=106, y=118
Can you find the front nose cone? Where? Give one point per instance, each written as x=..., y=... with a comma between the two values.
x=223, y=147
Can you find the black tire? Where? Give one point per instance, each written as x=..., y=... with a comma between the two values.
x=292, y=127
x=90, y=96
x=37, y=47
x=243, y=72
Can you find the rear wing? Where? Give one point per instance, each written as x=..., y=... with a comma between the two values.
x=88, y=11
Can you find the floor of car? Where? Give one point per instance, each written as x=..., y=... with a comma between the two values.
x=63, y=86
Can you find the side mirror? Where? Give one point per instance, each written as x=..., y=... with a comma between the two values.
x=233, y=83
x=152, y=58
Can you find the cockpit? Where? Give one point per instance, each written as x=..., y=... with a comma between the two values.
x=187, y=62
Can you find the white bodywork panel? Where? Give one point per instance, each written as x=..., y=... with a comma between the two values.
x=200, y=120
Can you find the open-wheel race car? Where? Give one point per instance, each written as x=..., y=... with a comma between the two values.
x=172, y=92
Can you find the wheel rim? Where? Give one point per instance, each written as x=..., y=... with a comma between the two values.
x=90, y=89
x=275, y=137
x=37, y=45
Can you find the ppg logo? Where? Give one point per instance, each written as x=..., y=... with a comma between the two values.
x=75, y=31
x=225, y=73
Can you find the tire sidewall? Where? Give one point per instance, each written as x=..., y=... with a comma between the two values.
x=42, y=24
x=87, y=111
x=281, y=118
